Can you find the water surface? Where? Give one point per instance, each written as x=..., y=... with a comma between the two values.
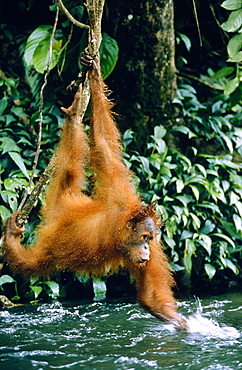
x=104, y=335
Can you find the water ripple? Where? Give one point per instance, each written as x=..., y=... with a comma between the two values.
x=104, y=335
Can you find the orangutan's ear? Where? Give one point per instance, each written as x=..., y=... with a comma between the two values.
x=129, y=225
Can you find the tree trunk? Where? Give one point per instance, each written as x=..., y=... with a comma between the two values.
x=144, y=80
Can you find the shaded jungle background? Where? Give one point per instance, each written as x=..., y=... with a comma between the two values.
x=176, y=84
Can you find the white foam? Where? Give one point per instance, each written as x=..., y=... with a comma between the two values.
x=210, y=328
x=197, y=323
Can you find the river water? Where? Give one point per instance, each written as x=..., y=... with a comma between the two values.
x=102, y=335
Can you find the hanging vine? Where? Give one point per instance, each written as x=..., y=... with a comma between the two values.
x=95, y=11
x=23, y=205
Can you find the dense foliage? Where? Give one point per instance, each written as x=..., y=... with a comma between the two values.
x=199, y=193
x=192, y=170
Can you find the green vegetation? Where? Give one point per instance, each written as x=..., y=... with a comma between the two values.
x=192, y=170
x=199, y=193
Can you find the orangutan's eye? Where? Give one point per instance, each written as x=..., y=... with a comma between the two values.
x=146, y=238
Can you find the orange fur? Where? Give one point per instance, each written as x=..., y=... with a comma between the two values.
x=95, y=234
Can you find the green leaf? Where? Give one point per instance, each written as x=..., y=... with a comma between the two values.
x=171, y=243
x=236, y=58
x=18, y=111
x=15, y=298
x=231, y=266
x=188, y=263
x=230, y=164
x=11, y=183
x=108, y=55
x=10, y=197
x=37, y=49
x=36, y=290
x=210, y=270
x=231, y=86
x=238, y=222
x=159, y=131
x=196, y=221
x=35, y=82
x=208, y=227
x=228, y=142
x=238, y=205
x=225, y=185
x=175, y=267
x=3, y=104
x=33, y=280
x=4, y=213
x=186, y=234
x=179, y=185
x=236, y=179
x=201, y=169
x=41, y=55
x=234, y=198
x=225, y=237
x=160, y=145
x=99, y=288
x=38, y=35
x=19, y=162
x=230, y=228
x=128, y=137
x=232, y=4
x=54, y=288
x=223, y=72
x=206, y=242
x=5, y=279
x=8, y=145
x=197, y=179
x=178, y=210
x=234, y=45
x=185, y=199
x=195, y=191
x=11, y=82
x=211, y=206
x=177, y=101
x=9, y=118
x=186, y=41
x=185, y=130
x=234, y=21
x=145, y=164
x=190, y=249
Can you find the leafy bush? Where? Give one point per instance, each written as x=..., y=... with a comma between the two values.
x=18, y=136
x=231, y=74
x=199, y=194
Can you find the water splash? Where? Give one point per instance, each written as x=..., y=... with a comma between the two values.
x=209, y=327
x=201, y=325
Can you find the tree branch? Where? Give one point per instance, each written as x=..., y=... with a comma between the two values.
x=206, y=83
x=61, y=6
